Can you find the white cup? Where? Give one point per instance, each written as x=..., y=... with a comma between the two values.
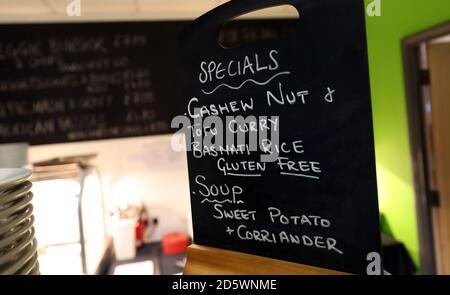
x=124, y=236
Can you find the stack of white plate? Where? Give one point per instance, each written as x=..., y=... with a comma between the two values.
x=18, y=247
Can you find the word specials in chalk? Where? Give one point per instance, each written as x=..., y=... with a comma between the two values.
x=215, y=71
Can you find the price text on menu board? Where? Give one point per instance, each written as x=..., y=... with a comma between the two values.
x=75, y=82
x=280, y=140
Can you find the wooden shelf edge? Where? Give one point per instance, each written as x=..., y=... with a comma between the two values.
x=202, y=260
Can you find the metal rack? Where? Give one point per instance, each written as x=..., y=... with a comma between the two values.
x=75, y=168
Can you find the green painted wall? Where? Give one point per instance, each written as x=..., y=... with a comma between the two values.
x=399, y=18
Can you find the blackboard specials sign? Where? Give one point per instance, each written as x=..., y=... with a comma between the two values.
x=280, y=139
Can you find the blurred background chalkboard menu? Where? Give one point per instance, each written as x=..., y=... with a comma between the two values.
x=87, y=81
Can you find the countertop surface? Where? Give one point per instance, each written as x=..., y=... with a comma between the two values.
x=163, y=264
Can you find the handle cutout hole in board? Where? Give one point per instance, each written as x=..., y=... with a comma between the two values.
x=252, y=27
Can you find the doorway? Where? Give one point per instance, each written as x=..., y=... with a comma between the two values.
x=427, y=75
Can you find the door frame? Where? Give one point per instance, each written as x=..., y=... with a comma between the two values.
x=413, y=77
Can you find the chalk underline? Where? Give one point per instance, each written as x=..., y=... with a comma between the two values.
x=216, y=201
x=282, y=173
x=221, y=202
x=299, y=175
x=246, y=81
x=244, y=175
